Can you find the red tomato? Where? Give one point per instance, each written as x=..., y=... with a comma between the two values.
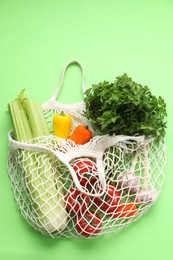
x=125, y=210
x=110, y=199
x=88, y=224
x=84, y=169
x=76, y=200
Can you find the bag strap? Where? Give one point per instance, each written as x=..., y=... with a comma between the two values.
x=55, y=95
x=65, y=159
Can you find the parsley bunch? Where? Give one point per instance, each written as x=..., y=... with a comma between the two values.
x=125, y=107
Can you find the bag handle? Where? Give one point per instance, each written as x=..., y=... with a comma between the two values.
x=55, y=95
x=100, y=169
x=65, y=159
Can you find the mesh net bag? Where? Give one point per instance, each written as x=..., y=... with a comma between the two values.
x=64, y=189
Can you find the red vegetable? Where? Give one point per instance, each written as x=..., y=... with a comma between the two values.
x=86, y=171
x=110, y=200
x=88, y=224
x=76, y=200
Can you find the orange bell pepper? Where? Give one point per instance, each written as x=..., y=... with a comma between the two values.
x=81, y=135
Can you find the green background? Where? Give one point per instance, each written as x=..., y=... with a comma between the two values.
x=109, y=37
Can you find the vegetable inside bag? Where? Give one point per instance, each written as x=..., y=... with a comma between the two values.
x=83, y=190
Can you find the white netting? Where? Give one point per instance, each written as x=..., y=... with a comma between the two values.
x=48, y=198
x=63, y=189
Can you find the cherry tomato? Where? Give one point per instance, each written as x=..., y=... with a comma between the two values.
x=86, y=171
x=125, y=210
x=88, y=224
x=76, y=200
x=110, y=199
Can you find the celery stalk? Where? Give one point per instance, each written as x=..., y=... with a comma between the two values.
x=36, y=118
x=22, y=130
x=45, y=191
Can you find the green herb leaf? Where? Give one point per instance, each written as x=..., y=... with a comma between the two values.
x=125, y=107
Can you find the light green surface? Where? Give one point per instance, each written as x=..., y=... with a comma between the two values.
x=109, y=37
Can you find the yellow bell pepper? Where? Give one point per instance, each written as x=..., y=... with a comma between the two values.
x=61, y=125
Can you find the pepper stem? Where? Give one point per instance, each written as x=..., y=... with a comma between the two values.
x=62, y=113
